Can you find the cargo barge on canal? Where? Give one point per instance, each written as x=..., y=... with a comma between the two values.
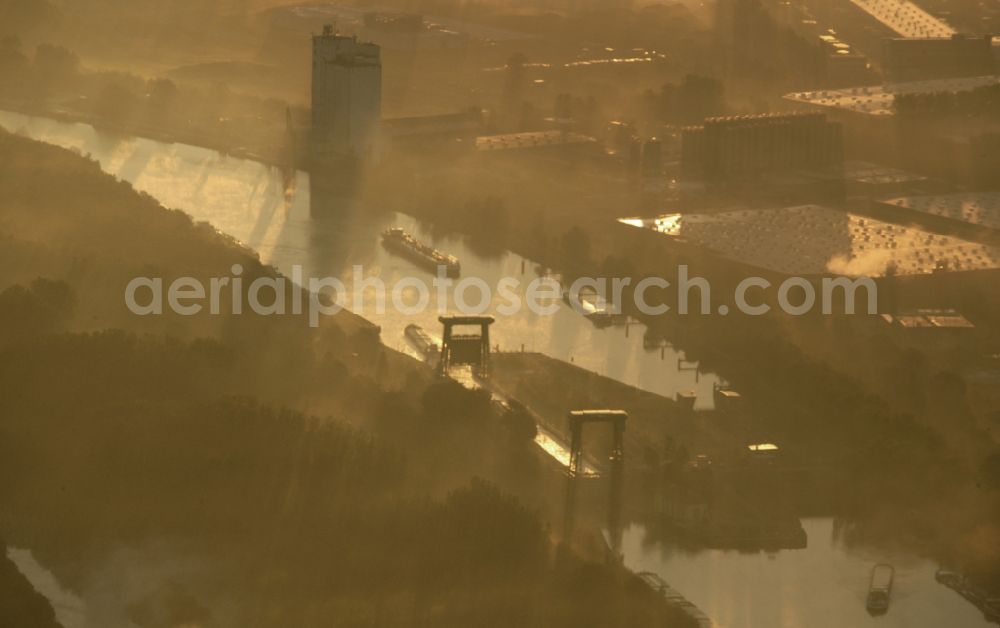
x=400, y=242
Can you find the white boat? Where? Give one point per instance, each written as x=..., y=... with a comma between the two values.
x=399, y=241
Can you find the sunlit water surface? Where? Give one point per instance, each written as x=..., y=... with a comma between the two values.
x=248, y=201
x=821, y=586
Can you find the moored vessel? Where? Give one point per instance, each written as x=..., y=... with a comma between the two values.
x=397, y=240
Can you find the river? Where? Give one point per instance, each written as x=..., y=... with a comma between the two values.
x=822, y=585
x=248, y=201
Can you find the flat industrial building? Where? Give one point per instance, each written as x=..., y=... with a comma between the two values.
x=980, y=209
x=878, y=175
x=905, y=18
x=814, y=240
x=928, y=319
x=877, y=100
x=532, y=139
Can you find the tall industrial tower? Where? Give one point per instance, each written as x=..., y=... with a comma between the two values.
x=346, y=97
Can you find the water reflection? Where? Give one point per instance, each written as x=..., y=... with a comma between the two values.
x=277, y=216
x=823, y=585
